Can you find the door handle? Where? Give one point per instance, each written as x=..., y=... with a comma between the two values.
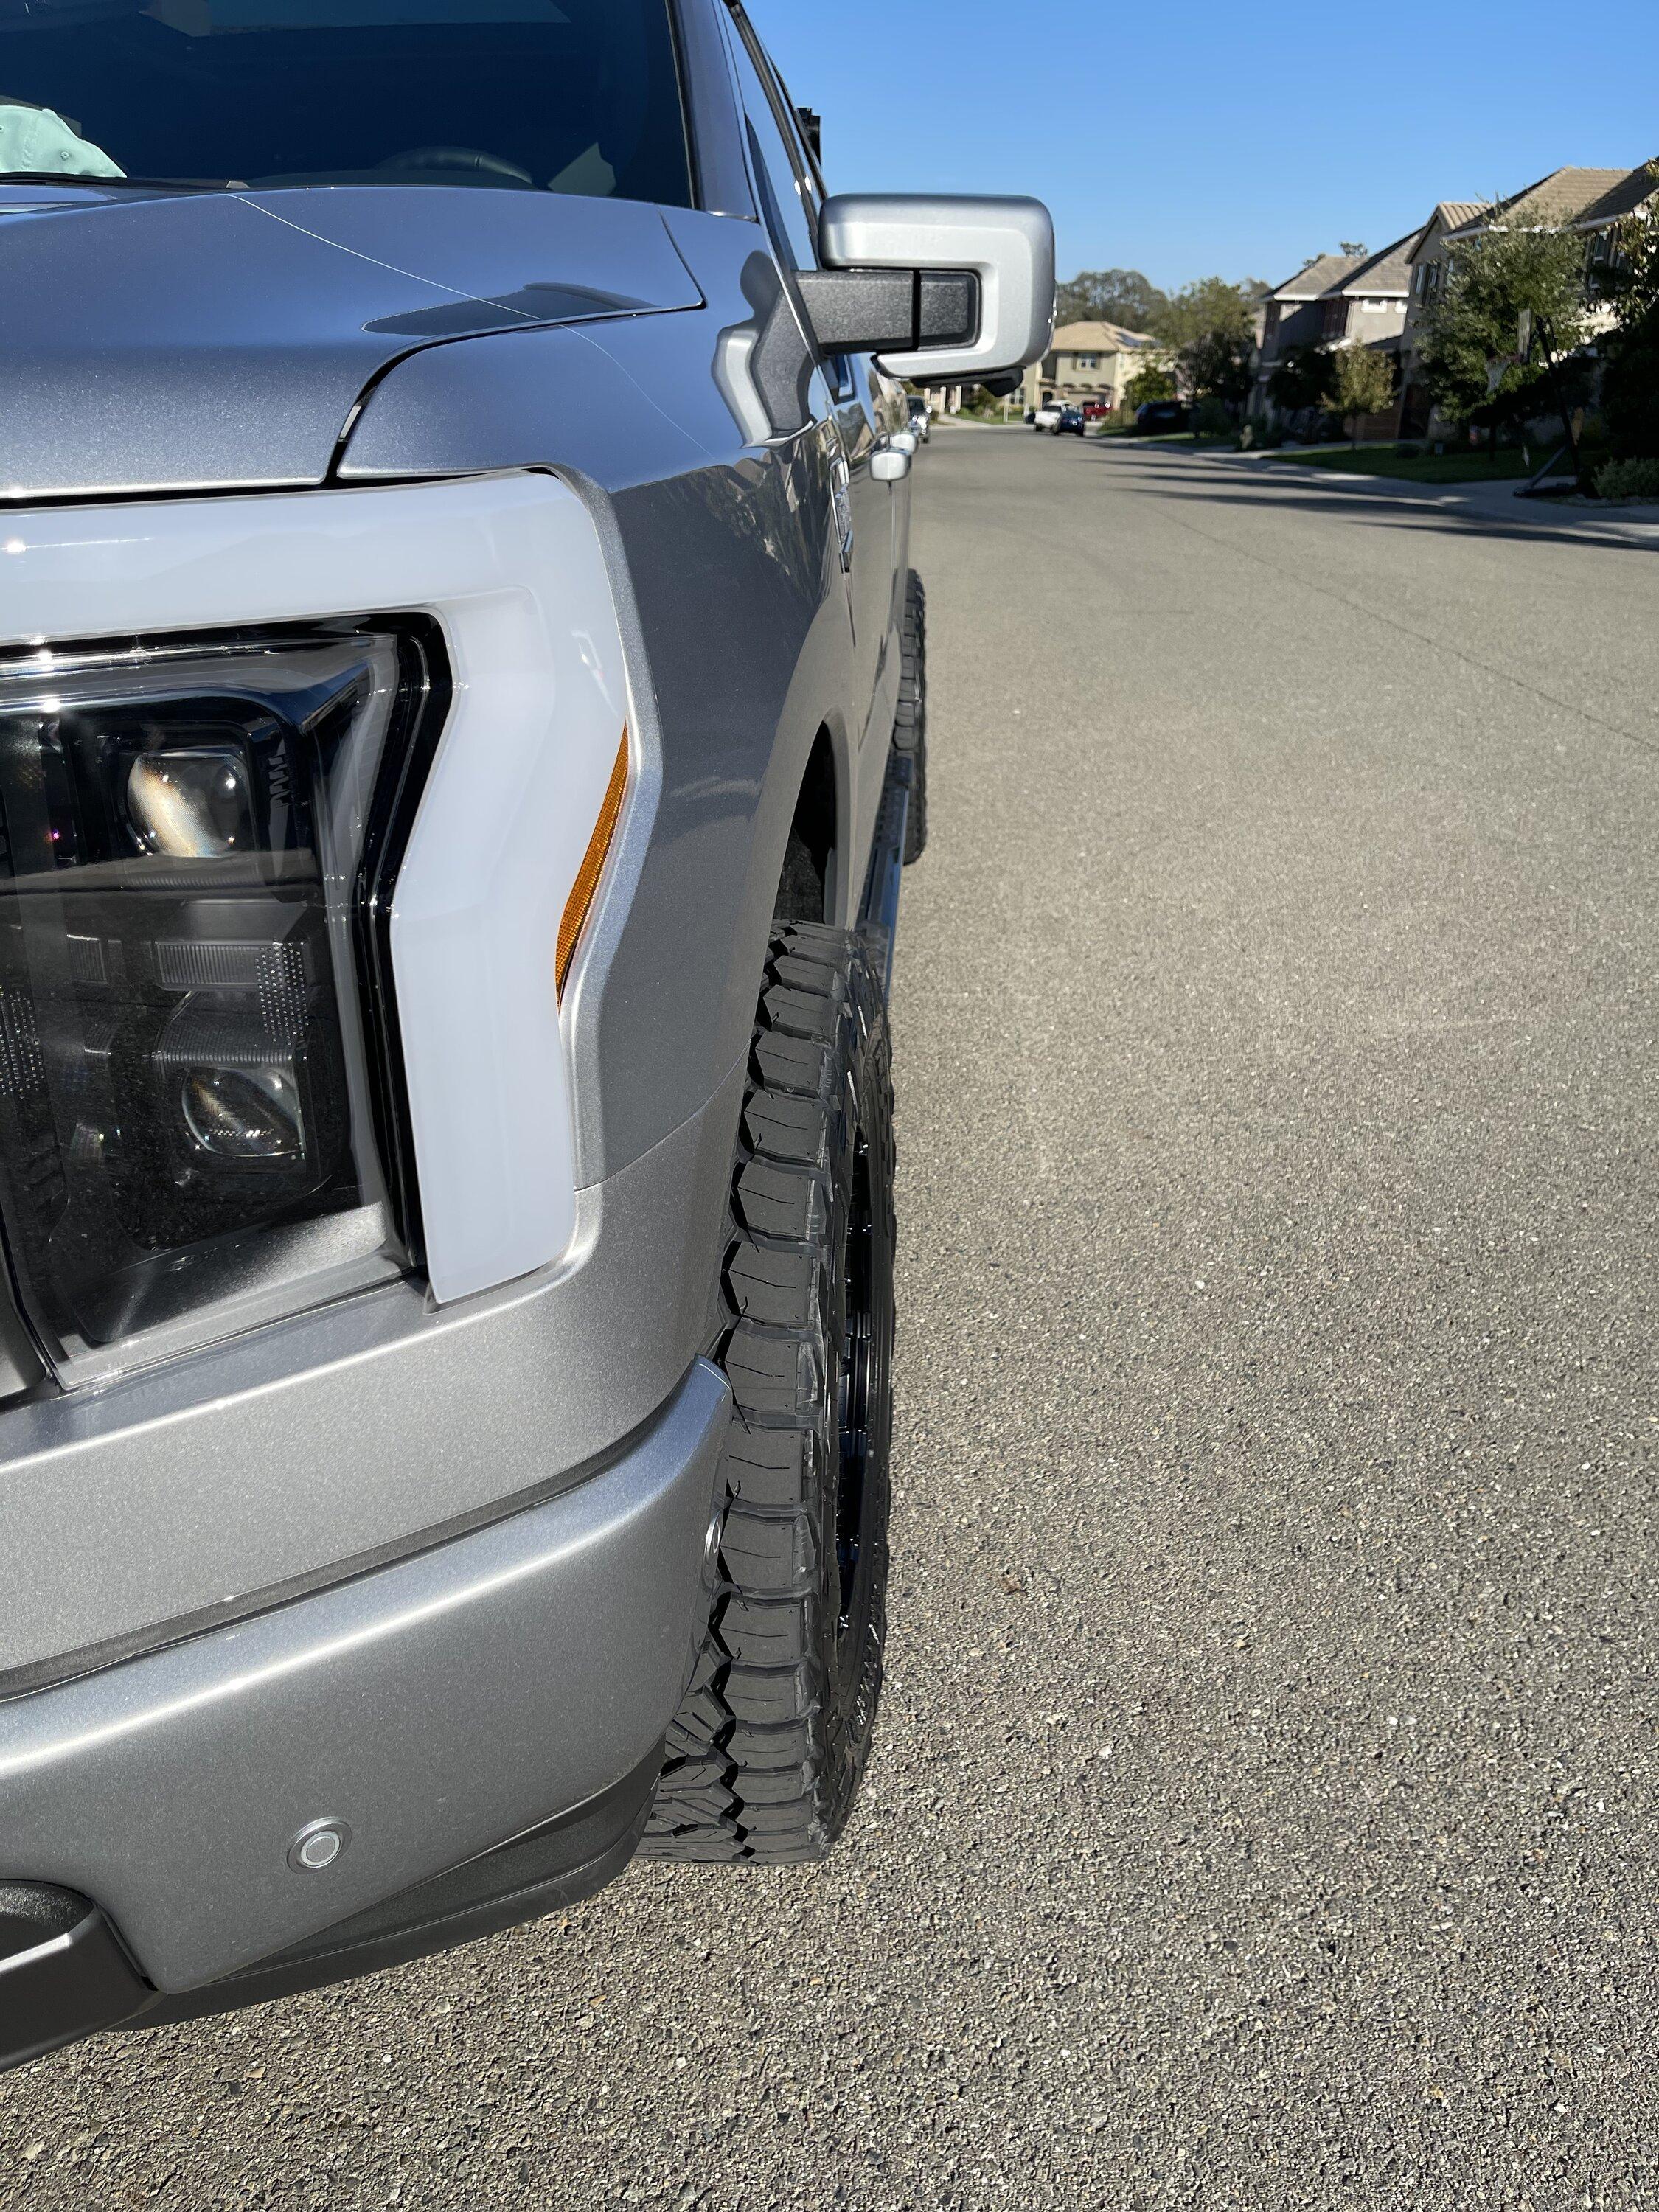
x=890, y=462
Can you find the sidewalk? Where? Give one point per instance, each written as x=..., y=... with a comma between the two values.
x=1624, y=524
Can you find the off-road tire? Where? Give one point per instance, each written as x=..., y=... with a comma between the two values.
x=910, y=723
x=764, y=1758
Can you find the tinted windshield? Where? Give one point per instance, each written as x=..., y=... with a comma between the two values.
x=557, y=95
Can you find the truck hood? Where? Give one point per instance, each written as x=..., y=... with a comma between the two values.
x=172, y=342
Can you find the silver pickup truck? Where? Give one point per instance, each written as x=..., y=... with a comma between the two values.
x=462, y=718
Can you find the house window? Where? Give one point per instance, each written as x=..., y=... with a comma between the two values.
x=1088, y=361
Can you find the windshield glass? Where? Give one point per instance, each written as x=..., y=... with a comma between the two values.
x=556, y=95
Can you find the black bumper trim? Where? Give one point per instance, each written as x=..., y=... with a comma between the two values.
x=63, y=1973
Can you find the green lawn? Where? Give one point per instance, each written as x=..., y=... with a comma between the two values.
x=1422, y=468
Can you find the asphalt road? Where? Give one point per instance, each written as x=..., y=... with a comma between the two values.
x=1265, y=1810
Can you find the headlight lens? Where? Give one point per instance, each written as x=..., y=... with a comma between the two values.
x=187, y=1094
x=192, y=804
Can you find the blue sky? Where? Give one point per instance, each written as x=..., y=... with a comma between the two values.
x=1209, y=137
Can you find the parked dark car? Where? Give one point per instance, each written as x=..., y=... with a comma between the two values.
x=1065, y=422
x=1159, y=416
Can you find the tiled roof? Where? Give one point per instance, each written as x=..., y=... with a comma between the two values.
x=1323, y=275
x=1385, y=273
x=1625, y=198
x=1448, y=215
x=1098, y=338
x=1334, y=274
x=1585, y=196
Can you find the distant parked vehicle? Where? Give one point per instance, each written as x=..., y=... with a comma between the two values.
x=1056, y=418
x=1094, y=410
x=1046, y=418
x=921, y=419
x=1159, y=416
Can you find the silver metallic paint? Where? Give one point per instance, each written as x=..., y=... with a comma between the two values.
x=1008, y=243
x=743, y=644
x=511, y=570
x=223, y=1485
x=316, y=1448
x=437, y=1708
x=712, y=112
x=224, y=339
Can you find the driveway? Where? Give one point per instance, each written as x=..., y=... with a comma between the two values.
x=1265, y=1811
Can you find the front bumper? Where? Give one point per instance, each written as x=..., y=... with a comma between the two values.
x=438, y=1709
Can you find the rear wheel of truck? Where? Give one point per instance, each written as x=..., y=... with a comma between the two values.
x=910, y=723
x=765, y=1757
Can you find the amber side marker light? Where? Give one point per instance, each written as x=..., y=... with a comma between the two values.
x=592, y=868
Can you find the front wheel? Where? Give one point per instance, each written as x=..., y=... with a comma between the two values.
x=765, y=1757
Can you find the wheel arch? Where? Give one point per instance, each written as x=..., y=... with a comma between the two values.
x=808, y=885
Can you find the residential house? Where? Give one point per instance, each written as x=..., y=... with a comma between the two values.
x=1336, y=300
x=1089, y=360
x=1589, y=201
x=1428, y=263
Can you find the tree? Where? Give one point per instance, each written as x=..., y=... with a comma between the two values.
x=1301, y=380
x=1207, y=305
x=1362, y=383
x=1109, y=296
x=1219, y=365
x=1153, y=382
x=1475, y=321
x=1630, y=278
x=1209, y=326
x=1630, y=378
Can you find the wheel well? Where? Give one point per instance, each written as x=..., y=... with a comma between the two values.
x=805, y=885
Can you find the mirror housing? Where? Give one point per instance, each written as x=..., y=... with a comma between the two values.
x=952, y=289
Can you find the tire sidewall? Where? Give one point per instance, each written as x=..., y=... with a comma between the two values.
x=850, y=1659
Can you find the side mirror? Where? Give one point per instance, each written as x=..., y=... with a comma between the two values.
x=952, y=290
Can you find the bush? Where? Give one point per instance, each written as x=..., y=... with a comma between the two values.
x=1636, y=479
x=1408, y=449
x=1149, y=384
x=1630, y=388
x=1212, y=420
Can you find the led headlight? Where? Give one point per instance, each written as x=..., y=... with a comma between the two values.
x=188, y=1096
